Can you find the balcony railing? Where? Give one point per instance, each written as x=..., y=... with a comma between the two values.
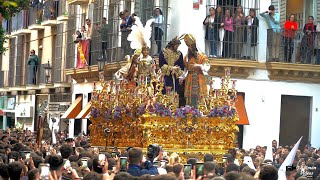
x=35, y=14
x=50, y=10
x=63, y=8
x=20, y=21
x=6, y=26
x=1, y=79
x=32, y=75
x=293, y=46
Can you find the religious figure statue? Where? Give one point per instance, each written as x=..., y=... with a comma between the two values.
x=33, y=61
x=196, y=68
x=172, y=66
x=141, y=64
x=146, y=65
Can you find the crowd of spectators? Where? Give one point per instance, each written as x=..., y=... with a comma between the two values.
x=22, y=157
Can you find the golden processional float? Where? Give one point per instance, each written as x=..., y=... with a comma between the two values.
x=140, y=116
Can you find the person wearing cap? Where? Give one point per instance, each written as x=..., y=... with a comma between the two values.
x=196, y=68
x=274, y=36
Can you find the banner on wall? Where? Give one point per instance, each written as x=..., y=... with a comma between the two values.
x=23, y=110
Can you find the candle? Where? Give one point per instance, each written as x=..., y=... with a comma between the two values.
x=117, y=87
x=162, y=78
x=233, y=84
x=141, y=78
x=217, y=93
x=222, y=81
x=94, y=85
x=227, y=72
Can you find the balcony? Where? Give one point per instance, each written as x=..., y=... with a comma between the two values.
x=294, y=56
x=50, y=13
x=20, y=23
x=35, y=13
x=78, y=2
x=63, y=13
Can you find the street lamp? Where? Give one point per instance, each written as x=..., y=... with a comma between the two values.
x=101, y=63
x=47, y=68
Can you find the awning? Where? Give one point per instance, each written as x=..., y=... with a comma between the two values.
x=74, y=109
x=85, y=111
x=241, y=108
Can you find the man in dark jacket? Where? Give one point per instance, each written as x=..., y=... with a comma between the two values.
x=135, y=162
x=33, y=62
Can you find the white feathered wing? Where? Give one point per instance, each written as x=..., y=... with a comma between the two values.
x=140, y=36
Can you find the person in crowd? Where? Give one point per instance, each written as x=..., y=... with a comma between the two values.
x=239, y=23
x=208, y=158
x=228, y=37
x=88, y=37
x=307, y=42
x=196, y=68
x=172, y=66
x=158, y=25
x=177, y=169
x=211, y=31
x=84, y=33
x=268, y=172
x=77, y=37
x=103, y=30
x=125, y=28
x=250, y=33
x=220, y=23
x=290, y=28
x=135, y=163
x=273, y=33
x=15, y=170
x=33, y=62
x=209, y=170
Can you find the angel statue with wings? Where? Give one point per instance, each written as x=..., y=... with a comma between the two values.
x=141, y=66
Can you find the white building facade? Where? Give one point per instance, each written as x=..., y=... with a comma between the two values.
x=264, y=94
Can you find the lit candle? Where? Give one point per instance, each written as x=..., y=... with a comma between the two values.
x=233, y=84
x=222, y=81
x=176, y=97
x=227, y=72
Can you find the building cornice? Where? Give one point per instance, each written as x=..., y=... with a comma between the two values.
x=239, y=69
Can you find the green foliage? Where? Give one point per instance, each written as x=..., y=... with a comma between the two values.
x=8, y=9
x=3, y=39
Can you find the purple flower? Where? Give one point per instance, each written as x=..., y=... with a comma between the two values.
x=94, y=112
x=108, y=115
x=224, y=111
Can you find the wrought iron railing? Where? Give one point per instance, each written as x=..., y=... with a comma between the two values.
x=50, y=10
x=35, y=14
x=1, y=79
x=63, y=8
x=20, y=21
x=293, y=46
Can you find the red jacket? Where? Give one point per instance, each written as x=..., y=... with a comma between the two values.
x=288, y=31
